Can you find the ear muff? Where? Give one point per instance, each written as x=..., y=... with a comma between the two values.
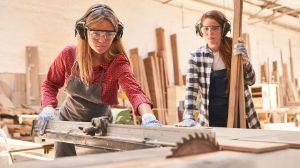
x=81, y=30
x=226, y=29
x=120, y=31
x=80, y=24
x=198, y=29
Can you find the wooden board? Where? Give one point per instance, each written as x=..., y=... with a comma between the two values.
x=291, y=62
x=175, y=94
x=32, y=78
x=139, y=70
x=250, y=146
x=236, y=110
x=290, y=138
x=154, y=84
x=177, y=74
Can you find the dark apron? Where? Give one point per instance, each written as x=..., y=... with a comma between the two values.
x=218, y=99
x=83, y=102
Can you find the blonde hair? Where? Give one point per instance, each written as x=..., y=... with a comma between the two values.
x=84, y=51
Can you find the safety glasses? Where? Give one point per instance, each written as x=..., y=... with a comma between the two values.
x=98, y=34
x=205, y=29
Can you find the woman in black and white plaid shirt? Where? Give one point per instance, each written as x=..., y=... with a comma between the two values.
x=208, y=75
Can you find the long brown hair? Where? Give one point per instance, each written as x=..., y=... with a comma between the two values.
x=226, y=43
x=84, y=51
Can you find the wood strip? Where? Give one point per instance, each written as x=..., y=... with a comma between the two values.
x=145, y=85
x=32, y=79
x=242, y=107
x=139, y=70
x=291, y=62
x=154, y=84
x=291, y=138
x=275, y=72
x=250, y=146
x=160, y=107
x=135, y=63
x=235, y=95
x=161, y=51
x=177, y=74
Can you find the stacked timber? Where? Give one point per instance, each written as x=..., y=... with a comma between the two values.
x=14, y=124
x=152, y=73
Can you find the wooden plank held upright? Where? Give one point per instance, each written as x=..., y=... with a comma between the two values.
x=236, y=109
x=178, y=80
x=32, y=79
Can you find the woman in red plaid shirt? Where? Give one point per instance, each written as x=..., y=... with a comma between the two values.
x=92, y=71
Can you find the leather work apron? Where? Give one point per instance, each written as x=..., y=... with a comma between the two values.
x=83, y=102
x=218, y=99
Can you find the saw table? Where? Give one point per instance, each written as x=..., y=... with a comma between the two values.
x=162, y=147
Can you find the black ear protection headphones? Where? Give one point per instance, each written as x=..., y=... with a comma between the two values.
x=81, y=29
x=226, y=27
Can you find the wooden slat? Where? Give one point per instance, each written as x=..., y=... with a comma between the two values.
x=139, y=70
x=175, y=94
x=154, y=84
x=236, y=96
x=250, y=146
x=291, y=62
x=291, y=138
x=275, y=72
x=32, y=80
x=177, y=74
x=135, y=63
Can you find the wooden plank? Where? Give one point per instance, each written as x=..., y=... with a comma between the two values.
x=134, y=58
x=154, y=87
x=236, y=95
x=275, y=72
x=177, y=74
x=162, y=52
x=291, y=138
x=145, y=85
x=32, y=80
x=250, y=146
x=175, y=94
x=291, y=62
x=160, y=108
x=139, y=70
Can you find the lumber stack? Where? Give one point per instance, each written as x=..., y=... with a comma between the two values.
x=152, y=73
x=15, y=126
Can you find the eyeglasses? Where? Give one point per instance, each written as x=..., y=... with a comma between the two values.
x=98, y=34
x=205, y=29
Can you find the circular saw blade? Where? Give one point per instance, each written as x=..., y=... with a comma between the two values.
x=195, y=144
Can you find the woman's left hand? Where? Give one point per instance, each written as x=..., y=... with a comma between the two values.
x=239, y=49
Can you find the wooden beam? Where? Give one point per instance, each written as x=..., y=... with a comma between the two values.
x=236, y=95
x=32, y=79
x=291, y=62
x=177, y=74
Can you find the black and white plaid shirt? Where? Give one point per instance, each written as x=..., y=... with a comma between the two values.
x=198, y=82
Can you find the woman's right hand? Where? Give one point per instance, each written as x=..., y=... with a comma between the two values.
x=188, y=122
x=48, y=113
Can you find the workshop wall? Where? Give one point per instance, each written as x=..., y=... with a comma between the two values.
x=49, y=25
